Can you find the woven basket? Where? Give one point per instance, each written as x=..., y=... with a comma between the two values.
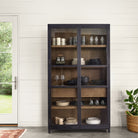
x=132, y=123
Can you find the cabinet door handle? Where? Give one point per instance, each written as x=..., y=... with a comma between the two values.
x=15, y=82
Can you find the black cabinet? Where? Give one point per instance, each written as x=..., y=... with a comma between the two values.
x=78, y=76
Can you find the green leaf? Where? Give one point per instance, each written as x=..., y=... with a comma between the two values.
x=126, y=100
x=130, y=98
x=136, y=92
x=137, y=99
x=129, y=106
x=128, y=92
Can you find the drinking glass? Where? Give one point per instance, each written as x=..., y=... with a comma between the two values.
x=91, y=40
x=62, y=79
x=102, y=40
x=57, y=78
x=96, y=40
x=96, y=102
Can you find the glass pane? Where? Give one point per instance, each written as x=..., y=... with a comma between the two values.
x=5, y=98
x=5, y=36
x=5, y=67
x=93, y=75
x=64, y=77
x=64, y=57
x=64, y=106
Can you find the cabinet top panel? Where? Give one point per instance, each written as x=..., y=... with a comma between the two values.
x=79, y=26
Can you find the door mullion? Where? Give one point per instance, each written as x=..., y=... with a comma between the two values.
x=79, y=74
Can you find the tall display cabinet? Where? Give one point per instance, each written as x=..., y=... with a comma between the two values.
x=78, y=77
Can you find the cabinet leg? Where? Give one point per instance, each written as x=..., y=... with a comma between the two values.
x=108, y=130
x=49, y=131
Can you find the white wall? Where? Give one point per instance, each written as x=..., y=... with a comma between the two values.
x=34, y=15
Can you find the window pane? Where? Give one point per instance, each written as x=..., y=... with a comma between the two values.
x=5, y=67
x=5, y=36
x=5, y=98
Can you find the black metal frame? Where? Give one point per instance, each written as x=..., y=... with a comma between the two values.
x=78, y=27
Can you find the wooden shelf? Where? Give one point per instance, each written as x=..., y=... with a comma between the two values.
x=82, y=86
x=64, y=66
x=94, y=86
x=92, y=107
x=93, y=66
x=82, y=66
x=63, y=86
x=82, y=46
x=63, y=107
x=93, y=46
x=65, y=46
x=102, y=125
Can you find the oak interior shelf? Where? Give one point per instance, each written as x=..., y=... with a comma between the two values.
x=63, y=107
x=82, y=46
x=64, y=66
x=82, y=66
x=94, y=86
x=64, y=46
x=63, y=86
x=92, y=107
x=93, y=46
x=82, y=86
x=93, y=66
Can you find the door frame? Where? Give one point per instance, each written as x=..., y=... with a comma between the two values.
x=15, y=20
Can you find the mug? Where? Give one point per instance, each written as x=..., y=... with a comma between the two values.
x=102, y=40
x=54, y=41
x=83, y=40
x=96, y=40
x=91, y=40
x=63, y=41
x=70, y=41
x=58, y=41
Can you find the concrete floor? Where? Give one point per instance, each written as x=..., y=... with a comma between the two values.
x=41, y=132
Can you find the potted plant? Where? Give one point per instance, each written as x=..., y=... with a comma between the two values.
x=132, y=114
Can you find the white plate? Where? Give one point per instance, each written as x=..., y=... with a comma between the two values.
x=66, y=123
x=93, y=122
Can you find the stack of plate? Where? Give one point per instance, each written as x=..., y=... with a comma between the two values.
x=93, y=121
x=71, y=121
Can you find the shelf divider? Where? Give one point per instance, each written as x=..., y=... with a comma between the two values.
x=63, y=86
x=92, y=107
x=93, y=46
x=94, y=86
x=93, y=66
x=64, y=66
x=63, y=107
x=65, y=46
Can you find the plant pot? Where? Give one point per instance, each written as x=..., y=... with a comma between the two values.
x=132, y=123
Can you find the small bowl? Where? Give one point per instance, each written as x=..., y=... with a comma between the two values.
x=62, y=103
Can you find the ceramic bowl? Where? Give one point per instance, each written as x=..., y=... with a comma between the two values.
x=62, y=103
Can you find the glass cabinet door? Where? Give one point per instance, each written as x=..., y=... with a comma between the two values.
x=93, y=76
x=64, y=76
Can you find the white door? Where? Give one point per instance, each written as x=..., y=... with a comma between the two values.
x=8, y=70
